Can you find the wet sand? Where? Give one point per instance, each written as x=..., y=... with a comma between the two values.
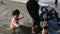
x=5, y=17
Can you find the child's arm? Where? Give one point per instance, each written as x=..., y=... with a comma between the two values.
x=16, y=25
x=21, y=18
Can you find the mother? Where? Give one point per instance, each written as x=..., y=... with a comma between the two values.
x=33, y=9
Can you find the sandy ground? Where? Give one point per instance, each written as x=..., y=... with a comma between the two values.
x=5, y=17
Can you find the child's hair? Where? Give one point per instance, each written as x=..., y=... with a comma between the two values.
x=15, y=12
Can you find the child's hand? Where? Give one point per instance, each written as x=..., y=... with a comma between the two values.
x=21, y=17
x=16, y=25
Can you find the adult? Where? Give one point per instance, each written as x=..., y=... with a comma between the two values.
x=33, y=9
x=56, y=2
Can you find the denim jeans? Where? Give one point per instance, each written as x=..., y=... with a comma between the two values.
x=53, y=26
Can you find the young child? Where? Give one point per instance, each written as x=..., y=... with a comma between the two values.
x=15, y=19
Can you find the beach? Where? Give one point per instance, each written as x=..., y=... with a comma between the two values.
x=5, y=16
x=39, y=1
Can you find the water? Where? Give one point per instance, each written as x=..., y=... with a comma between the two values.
x=24, y=1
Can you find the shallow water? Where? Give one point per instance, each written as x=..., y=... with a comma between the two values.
x=24, y=1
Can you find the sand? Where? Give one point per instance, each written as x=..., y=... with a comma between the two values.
x=5, y=16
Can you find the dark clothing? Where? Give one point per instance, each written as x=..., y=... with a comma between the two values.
x=56, y=1
x=49, y=13
x=44, y=13
x=52, y=14
x=43, y=17
x=33, y=9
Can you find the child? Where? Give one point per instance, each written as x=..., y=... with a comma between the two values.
x=15, y=19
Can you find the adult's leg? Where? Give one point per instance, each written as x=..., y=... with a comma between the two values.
x=39, y=29
x=36, y=22
x=56, y=2
x=33, y=28
x=44, y=31
x=44, y=27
